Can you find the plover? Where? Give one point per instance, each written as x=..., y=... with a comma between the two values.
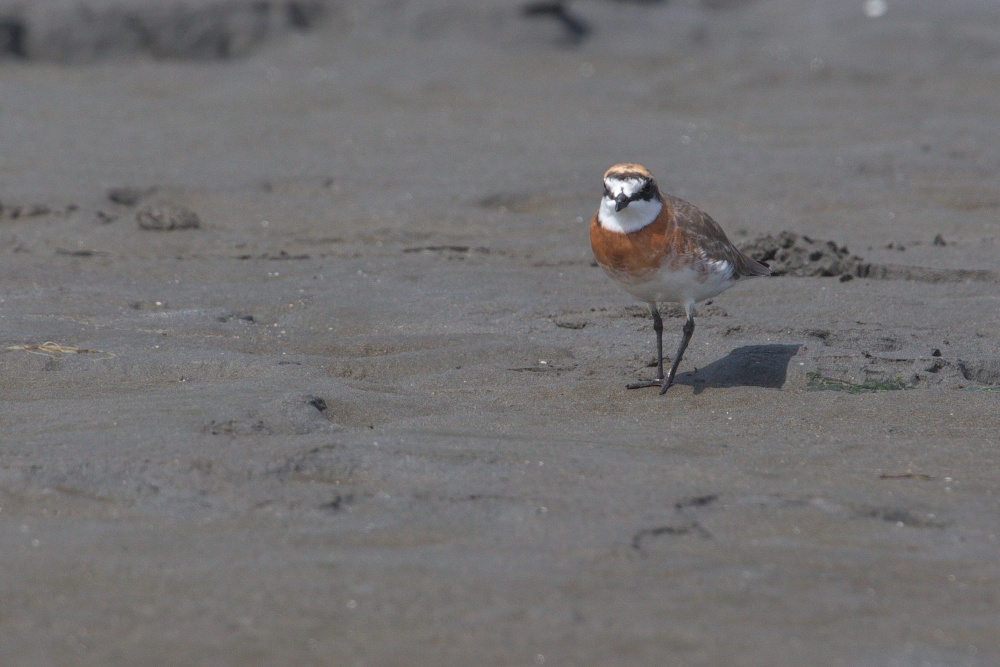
x=662, y=249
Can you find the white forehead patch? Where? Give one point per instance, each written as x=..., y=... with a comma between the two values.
x=626, y=186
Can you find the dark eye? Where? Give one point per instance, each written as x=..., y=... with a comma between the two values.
x=607, y=191
x=647, y=189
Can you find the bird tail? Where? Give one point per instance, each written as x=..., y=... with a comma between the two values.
x=748, y=267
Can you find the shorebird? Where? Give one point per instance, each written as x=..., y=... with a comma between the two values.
x=662, y=249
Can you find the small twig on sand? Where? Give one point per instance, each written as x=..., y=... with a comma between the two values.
x=55, y=350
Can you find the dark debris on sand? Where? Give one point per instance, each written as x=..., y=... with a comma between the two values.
x=790, y=254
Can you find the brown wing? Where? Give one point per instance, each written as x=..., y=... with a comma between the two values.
x=698, y=228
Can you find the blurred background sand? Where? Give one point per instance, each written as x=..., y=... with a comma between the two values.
x=332, y=377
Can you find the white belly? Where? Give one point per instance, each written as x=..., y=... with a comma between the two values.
x=687, y=285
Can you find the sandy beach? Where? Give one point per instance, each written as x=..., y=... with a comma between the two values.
x=305, y=358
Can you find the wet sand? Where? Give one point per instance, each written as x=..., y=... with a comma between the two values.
x=370, y=408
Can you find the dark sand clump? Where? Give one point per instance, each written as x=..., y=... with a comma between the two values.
x=791, y=254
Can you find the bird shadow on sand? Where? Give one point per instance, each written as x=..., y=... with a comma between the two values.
x=747, y=366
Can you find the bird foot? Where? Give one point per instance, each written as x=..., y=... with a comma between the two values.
x=642, y=384
x=659, y=382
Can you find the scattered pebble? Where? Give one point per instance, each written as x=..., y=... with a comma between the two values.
x=166, y=217
x=128, y=196
x=27, y=211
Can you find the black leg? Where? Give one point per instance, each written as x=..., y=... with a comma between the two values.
x=688, y=332
x=658, y=328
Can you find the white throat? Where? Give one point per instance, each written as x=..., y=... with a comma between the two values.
x=630, y=219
